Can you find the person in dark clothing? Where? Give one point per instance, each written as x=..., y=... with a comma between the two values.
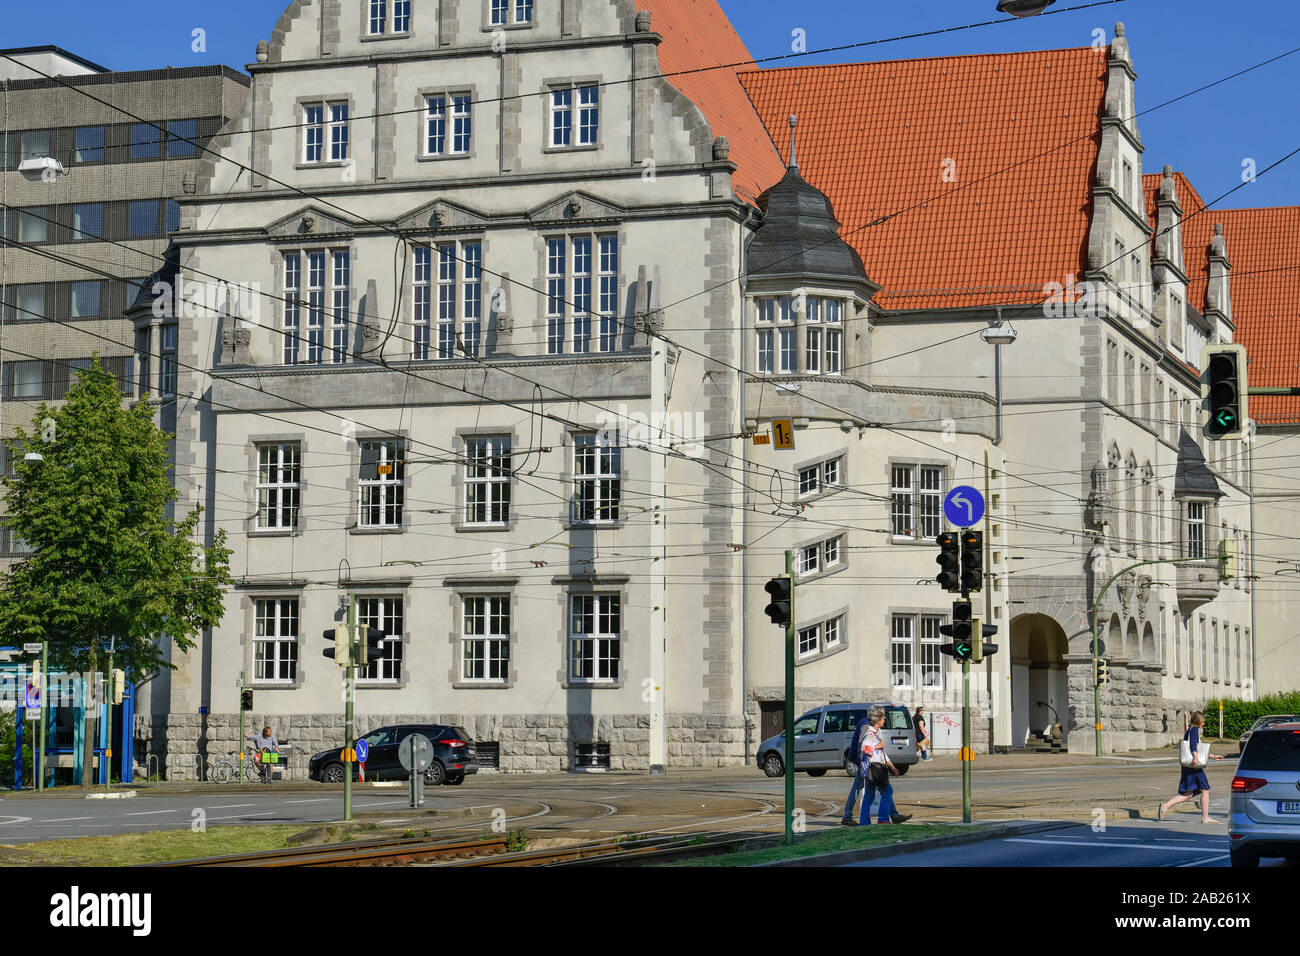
x=922, y=735
x=1193, y=779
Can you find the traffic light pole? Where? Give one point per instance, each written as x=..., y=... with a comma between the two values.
x=44, y=683
x=242, y=743
x=108, y=710
x=789, y=706
x=348, y=743
x=1096, y=633
x=965, y=741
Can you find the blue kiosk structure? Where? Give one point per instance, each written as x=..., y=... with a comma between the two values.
x=65, y=728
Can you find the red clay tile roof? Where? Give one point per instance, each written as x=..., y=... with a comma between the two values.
x=1264, y=249
x=875, y=138
x=698, y=34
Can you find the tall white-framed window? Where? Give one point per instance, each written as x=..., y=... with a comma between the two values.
x=325, y=123
x=315, y=307
x=487, y=480
x=595, y=637
x=833, y=315
x=511, y=12
x=566, y=129
x=458, y=281
x=821, y=477
x=383, y=497
x=485, y=638
x=167, y=365
x=377, y=22
x=916, y=501
x=901, y=640
x=1196, y=529
x=279, y=486
x=584, y=260
x=608, y=291
x=597, y=477
x=421, y=303
x=448, y=124
x=313, y=278
x=810, y=559
x=1205, y=650
x=340, y=292
x=386, y=614
x=275, y=644
x=931, y=658
x=556, y=294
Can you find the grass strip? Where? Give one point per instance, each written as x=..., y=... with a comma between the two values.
x=131, y=849
x=833, y=841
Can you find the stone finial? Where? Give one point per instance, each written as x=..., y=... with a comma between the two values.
x=263, y=51
x=643, y=21
x=1169, y=171
x=721, y=149
x=1218, y=245
x=1119, y=45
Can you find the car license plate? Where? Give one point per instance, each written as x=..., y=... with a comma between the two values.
x=900, y=741
x=1288, y=806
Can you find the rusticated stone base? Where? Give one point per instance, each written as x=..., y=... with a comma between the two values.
x=187, y=744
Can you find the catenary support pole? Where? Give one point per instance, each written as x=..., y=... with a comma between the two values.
x=348, y=742
x=789, y=706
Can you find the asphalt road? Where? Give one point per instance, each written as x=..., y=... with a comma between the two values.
x=1141, y=844
x=1121, y=794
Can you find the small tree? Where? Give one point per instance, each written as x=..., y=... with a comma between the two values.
x=108, y=561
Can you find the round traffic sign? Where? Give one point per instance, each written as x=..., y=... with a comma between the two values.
x=363, y=751
x=415, y=753
x=963, y=506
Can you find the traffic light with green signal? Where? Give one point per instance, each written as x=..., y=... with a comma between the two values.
x=959, y=630
x=949, y=561
x=779, y=609
x=1223, y=392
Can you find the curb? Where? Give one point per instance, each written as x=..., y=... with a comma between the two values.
x=112, y=795
x=912, y=846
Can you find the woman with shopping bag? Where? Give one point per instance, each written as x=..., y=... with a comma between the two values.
x=1192, y=754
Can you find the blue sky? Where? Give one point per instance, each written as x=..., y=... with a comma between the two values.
x=1177, y=47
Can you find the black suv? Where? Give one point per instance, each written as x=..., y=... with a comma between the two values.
x=453, y=755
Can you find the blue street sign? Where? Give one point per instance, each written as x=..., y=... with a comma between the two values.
x=363, y=751
x=963, y=507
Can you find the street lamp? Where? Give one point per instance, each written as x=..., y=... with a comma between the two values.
x=1024, y=8
x=32, y=457
x=997, y=336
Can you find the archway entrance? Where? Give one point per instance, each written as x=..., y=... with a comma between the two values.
x=1040, y=691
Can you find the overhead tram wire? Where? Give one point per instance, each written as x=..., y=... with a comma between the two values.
x=879, y=221
x=608, y=84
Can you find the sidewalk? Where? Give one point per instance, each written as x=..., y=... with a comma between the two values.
x=939, y=765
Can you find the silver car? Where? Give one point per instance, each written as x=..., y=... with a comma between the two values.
x=1265, y=815
x=1263, y=722
x=823, y=738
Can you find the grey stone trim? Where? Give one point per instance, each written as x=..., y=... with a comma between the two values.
x=385, y=123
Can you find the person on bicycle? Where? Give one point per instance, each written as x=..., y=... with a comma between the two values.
x=263, y=743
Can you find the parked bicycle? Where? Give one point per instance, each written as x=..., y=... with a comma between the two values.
x=225, y=769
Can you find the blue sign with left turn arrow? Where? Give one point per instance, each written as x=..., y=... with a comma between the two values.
x=963, y=507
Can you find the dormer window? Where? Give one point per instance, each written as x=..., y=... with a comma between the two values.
x=379, y=23
x=512, y=13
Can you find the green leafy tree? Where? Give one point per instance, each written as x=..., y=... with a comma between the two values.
x=110, y=562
